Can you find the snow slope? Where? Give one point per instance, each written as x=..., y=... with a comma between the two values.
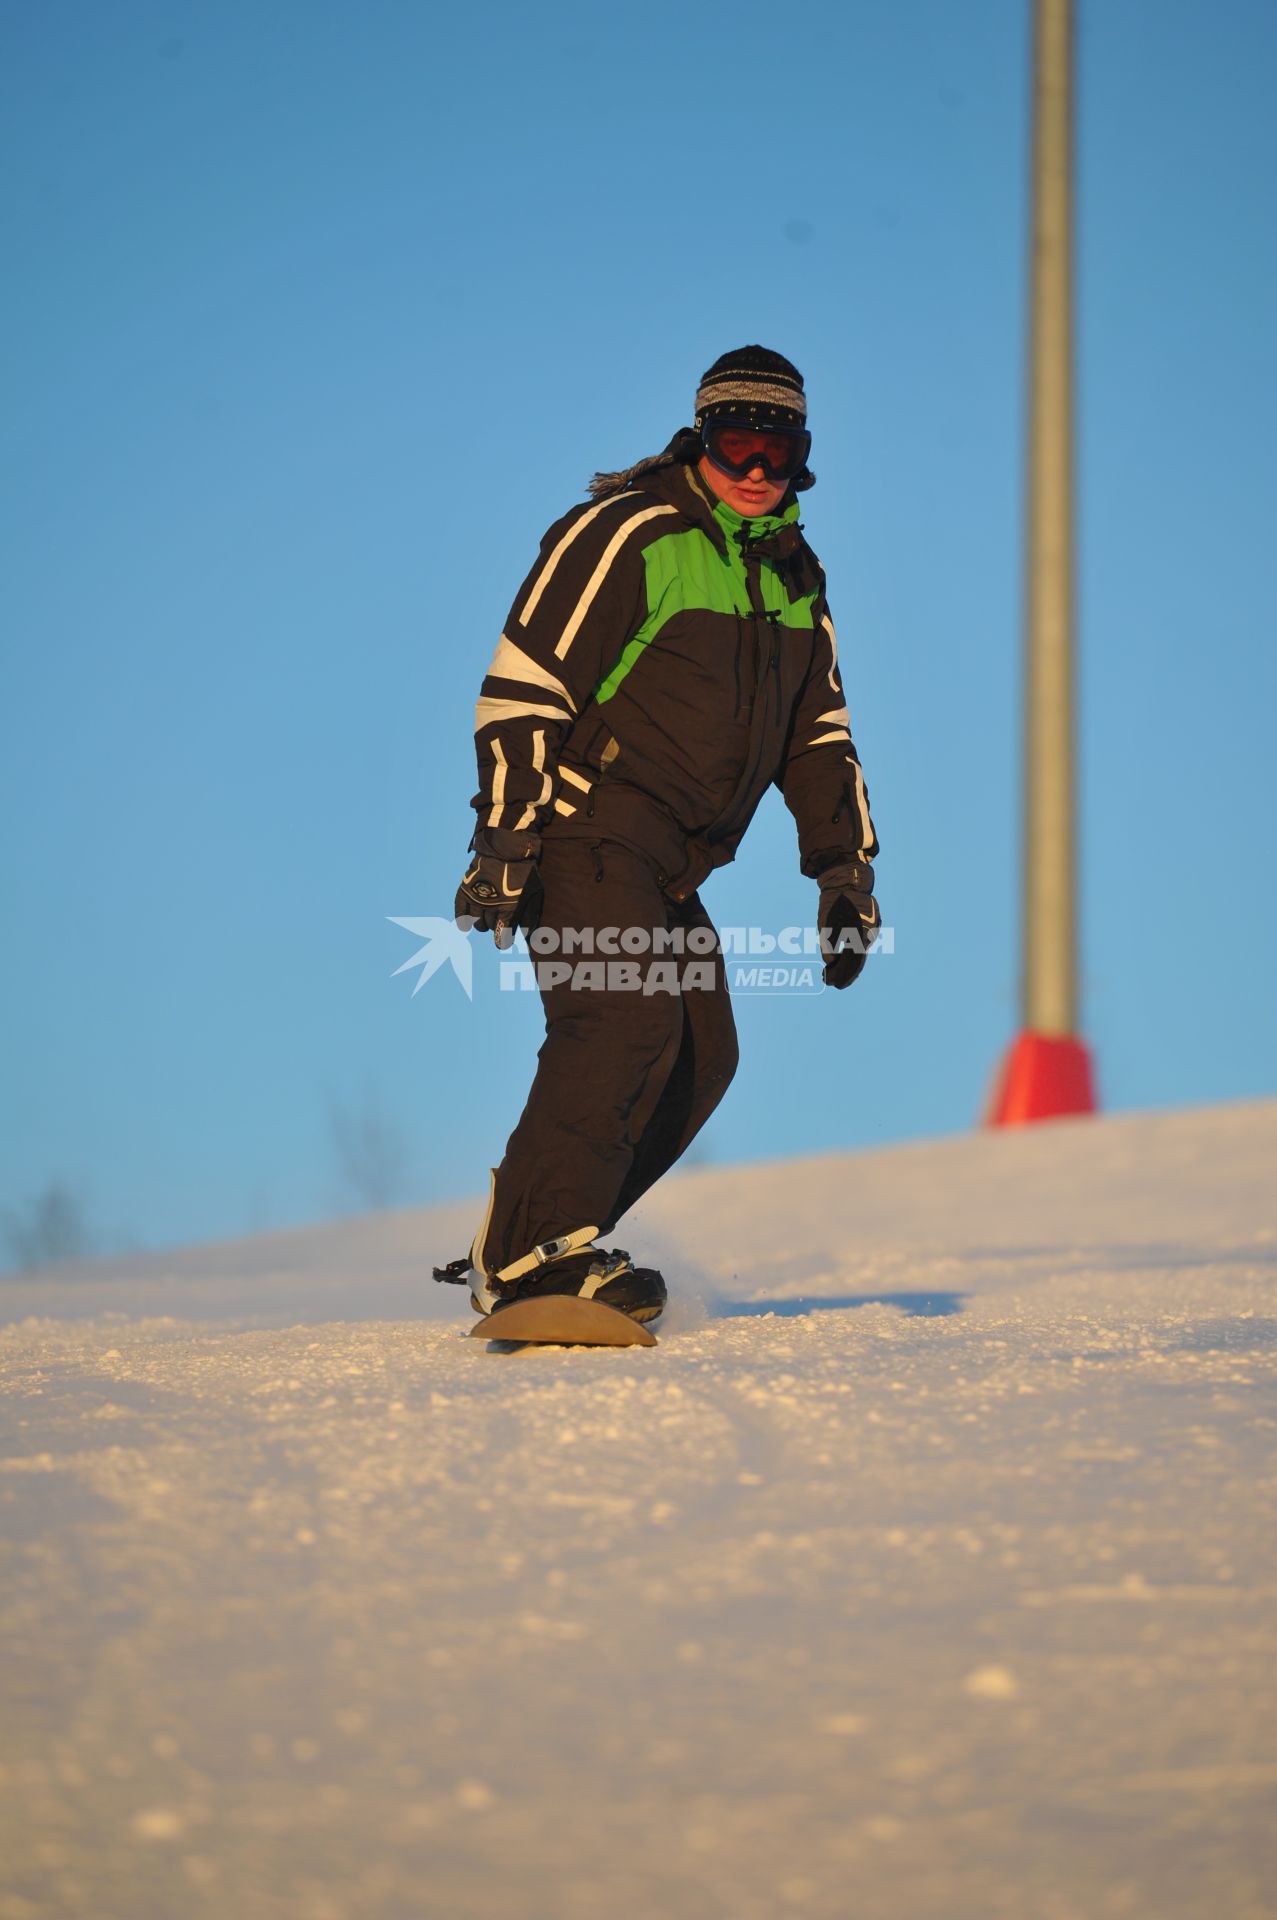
x=927, y=1570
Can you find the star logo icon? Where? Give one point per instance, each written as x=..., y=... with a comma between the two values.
x=444, y=942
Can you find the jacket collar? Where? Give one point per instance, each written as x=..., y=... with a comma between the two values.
x=680, y=485
x=671, y=478
x=774, y=537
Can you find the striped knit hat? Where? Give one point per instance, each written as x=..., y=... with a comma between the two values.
x=754, y=384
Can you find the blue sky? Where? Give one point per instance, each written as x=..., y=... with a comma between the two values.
x=319, y=314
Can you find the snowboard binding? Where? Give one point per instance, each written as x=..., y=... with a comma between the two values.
x=568, y=1268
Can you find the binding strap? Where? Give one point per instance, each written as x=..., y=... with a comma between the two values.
x=509, y=1277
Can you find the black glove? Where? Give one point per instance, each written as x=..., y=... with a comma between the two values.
x=848, y=919
x=495, y=894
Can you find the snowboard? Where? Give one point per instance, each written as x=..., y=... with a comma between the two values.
x=561, y=1320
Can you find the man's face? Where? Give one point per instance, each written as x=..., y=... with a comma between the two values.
x=751, y=496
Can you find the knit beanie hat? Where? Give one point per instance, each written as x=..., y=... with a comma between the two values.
x=753, y=384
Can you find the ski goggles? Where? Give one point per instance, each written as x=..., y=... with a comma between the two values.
x=737, y=448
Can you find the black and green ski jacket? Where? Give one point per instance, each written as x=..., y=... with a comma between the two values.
x=664, y=662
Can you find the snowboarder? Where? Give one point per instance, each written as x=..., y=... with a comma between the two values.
x=670, y=654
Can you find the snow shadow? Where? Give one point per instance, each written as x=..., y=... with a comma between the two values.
x=927, y=1306
x=1132, y=1256
x=1236, y=1335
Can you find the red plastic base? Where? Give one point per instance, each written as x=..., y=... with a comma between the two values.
x=1045, y=1076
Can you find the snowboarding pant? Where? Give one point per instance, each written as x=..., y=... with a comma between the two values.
x=625, y=1077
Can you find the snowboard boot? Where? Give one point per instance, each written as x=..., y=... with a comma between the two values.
x=593, y=1273
x=565, y=1266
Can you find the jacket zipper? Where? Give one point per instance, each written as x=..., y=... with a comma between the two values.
x=767, y=680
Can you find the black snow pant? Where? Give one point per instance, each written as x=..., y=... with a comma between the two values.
x=629, y=1070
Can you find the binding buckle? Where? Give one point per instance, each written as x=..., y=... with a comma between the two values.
x=551, y=1249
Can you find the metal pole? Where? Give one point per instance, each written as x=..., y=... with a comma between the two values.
x=1048, y=1073
x=1049, y=984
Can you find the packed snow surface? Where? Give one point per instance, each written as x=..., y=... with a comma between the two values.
x=927, y=1570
